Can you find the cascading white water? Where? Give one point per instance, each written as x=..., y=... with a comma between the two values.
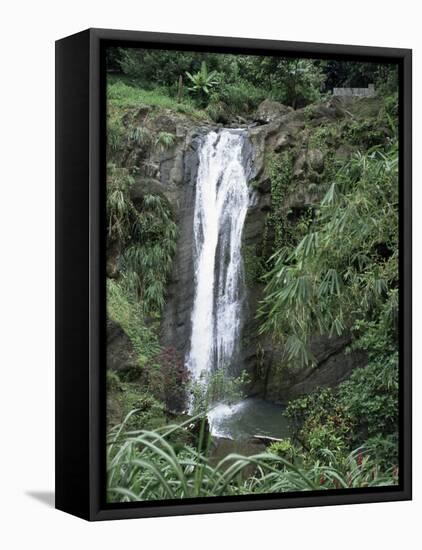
x=221, y=204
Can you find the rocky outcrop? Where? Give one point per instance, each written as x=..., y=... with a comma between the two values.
x=176, y=323
x=282, y=382
x=328, y=373
x=270, y=110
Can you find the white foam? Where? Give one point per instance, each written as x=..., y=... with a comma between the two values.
x=218, y=416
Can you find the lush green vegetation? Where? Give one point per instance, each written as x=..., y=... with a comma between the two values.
x=327, y=269
x=363, y=411
x=336, y=273
x=122, y=93
x=344, y=271
x=232, y=83
x=141, y=241
x=149, y=235
x=145, y=465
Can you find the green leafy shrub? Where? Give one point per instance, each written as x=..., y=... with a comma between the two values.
x=240, y=96
x=384, y=449
x=148, y=235
x=324, y=137
x=149, y=67
x=123, y=95
x=363, y=412
x=280, y=169
x=283, y=448
x=233, y=99
x=371, y=395
x=217, y=110
x=357, y=469
x=254, y=264
x=366, y=134
x=202, y=82
x=147, y=411
x=294, y=82
x=320, y=421
x=113, y=381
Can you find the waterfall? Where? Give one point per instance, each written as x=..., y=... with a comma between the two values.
x=221, y=203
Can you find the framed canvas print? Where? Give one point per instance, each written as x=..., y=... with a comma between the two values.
x=233, y=274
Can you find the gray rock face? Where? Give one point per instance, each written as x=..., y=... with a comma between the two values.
x=269, y=110
x=329, y=373
x=143, y=185
x=283, y=132
x=176, y=323
x=333, y=366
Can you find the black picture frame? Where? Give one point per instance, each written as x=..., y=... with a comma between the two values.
x=80, y=279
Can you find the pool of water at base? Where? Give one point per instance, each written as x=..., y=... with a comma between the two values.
x=250, y=417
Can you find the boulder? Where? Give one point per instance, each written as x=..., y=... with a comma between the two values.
x=270, y=110
x=329, y=373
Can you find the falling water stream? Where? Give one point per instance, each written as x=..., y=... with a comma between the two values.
x=221, y=204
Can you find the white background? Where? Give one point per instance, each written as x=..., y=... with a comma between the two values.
x=27, y=36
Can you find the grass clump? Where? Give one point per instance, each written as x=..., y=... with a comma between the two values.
x=164, y=141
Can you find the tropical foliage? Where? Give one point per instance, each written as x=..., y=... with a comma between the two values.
x=344, y=271
x=329, y=269
x=149, y=234
x=296, y=82
x=202, y=82
x=144, y=465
